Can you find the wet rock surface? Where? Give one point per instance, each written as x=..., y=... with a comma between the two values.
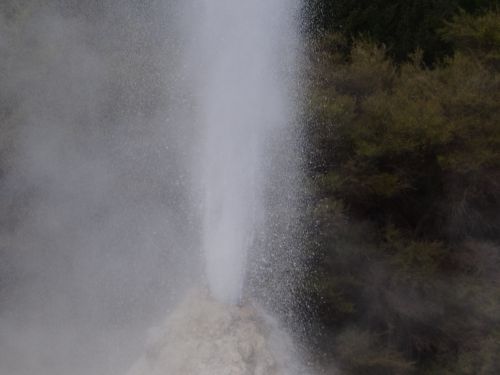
x=205, y=337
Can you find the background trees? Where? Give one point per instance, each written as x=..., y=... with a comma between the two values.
x=405, y=170
x=402, y=25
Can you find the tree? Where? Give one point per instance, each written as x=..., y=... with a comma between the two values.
x=402, y=25
x=405, y=164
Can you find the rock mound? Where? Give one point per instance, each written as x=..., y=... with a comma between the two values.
x=205, y=337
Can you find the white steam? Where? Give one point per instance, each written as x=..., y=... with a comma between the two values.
x=243, y=54
x=134, y=134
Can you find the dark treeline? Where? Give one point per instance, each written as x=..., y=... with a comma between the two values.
x=401, y=25
x=404, y=171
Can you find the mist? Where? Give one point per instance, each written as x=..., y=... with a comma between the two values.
x=107, y=182
x=96, y=240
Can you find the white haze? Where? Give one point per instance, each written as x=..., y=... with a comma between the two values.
x=242, y=51
x=112, y=115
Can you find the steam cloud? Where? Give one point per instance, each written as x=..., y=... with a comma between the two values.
x=98, y=211
x=96, y=236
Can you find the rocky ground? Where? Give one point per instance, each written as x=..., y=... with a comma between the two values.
x=205, y=337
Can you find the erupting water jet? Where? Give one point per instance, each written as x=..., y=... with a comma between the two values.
x=242, y=53
x=246, y=49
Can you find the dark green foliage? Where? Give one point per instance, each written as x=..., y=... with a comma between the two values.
x=361, y=352
x=405, y=170
x=402, y=25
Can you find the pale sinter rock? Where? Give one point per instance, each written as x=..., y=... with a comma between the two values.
x=206, y=337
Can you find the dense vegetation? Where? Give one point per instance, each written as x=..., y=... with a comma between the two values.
x=402, y=25
x=404, y=170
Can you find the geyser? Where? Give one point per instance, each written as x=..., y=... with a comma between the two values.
x=245, y=51
x=137, y=136
x=242, y=58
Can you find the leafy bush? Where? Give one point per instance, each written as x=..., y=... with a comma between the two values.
x=405, y=171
